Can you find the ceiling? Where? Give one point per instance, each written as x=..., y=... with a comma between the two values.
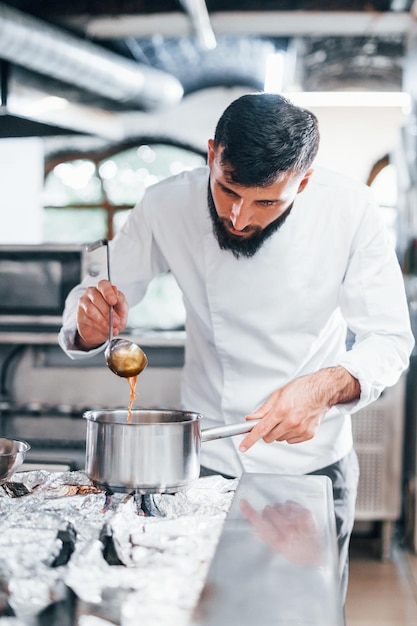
x=124, y=55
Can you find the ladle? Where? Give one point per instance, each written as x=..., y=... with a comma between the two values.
x=123, y=357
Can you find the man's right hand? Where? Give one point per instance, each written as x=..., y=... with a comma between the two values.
x=93, y=314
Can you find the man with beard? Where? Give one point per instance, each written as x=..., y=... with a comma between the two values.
x=275, y=260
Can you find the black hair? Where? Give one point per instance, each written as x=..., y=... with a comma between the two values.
x=264, y=135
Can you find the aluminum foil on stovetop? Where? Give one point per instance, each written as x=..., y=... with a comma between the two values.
x=126, y=559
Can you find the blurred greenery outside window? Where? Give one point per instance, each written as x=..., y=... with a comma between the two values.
x=86, y=199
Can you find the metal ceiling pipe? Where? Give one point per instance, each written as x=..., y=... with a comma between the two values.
x=46, y=49
x=200, y=20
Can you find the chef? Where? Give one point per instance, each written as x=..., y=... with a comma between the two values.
x=276, y=259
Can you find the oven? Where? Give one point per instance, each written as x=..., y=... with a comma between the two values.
x=36, y=279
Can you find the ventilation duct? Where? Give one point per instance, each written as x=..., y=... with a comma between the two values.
x=14, y=125
x=200, y=20
x=46, y=49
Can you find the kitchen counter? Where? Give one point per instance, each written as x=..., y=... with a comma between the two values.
x=39, y=336
x=70, y=553
x=276, y=560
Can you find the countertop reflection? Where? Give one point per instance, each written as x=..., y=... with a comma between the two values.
x=276, y=561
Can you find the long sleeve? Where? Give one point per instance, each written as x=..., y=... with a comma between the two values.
x=134, y=258
x=374, y=304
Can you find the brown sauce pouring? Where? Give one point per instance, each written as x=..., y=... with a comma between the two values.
x=132, y=380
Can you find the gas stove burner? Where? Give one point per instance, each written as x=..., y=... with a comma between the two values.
x=15, y=489
x=109, y=549
x=146, y=505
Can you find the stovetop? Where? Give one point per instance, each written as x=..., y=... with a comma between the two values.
x=261, y=549
x=69, y=550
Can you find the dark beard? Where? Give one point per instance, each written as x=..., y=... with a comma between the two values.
x=239, y=246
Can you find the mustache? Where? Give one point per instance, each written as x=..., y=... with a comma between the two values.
x=242, y=246
x=227, y=223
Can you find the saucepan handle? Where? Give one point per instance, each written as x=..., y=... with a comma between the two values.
x=219, y=432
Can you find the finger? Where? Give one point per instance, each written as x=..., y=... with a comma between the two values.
x=121, y=308
x=294, y=440
x=248, y=511
x=93, y=313
x=277, y=434
x=299, y=438
x=248, y=442
x=108, y=291
x=110, y=296
x=93, y=305
x=92, y=325
x=291, y=432
x=259, y=431
x=252, y=516
x=262, y=527
x=262, y=410
x=292, y=505
x=275, y=517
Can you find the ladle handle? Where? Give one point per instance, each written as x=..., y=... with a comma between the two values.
x=219, y=432
x=106, y=243
x=90, y=248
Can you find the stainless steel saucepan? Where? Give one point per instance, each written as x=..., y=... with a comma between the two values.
x=157, y=451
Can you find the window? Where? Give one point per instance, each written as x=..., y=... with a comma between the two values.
x=89, y=196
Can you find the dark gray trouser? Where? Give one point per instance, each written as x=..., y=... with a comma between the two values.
x=344, y=475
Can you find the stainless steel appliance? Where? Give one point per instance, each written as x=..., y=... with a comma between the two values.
x=35, y=280
x=378, y=432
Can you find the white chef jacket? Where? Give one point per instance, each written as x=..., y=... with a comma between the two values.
x=253, y=324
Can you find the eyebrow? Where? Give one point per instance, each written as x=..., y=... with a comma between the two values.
x=226, y=188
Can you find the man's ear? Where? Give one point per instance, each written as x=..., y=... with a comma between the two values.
x=210, y=154
x=305, y=180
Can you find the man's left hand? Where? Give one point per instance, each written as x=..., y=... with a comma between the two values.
x=293, y=413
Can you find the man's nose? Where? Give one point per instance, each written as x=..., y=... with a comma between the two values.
x=240, y=215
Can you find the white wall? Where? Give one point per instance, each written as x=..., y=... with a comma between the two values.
x=21, y=185
x=353, y=139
